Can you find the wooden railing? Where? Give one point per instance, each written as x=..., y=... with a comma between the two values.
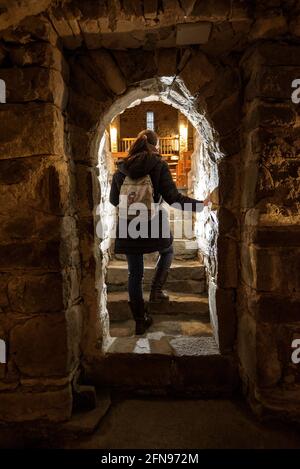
x=126, y=144
x=167, y=145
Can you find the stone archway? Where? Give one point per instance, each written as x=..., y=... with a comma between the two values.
x=172, y=90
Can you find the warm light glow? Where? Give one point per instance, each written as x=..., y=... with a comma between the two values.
x=114, y=138
x=176, y=146
x=183, y=132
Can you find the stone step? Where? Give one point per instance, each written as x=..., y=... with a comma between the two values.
x=187, y=277
x=191, y=305
x=187, y=286
x=185, y=249
x=182, y=366
x=164, y=325
x=189, y=270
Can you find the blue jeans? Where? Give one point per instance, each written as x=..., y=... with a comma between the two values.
x=136, y=271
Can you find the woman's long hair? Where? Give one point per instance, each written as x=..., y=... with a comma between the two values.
x=145, y=141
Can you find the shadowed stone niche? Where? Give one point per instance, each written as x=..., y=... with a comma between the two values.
x=69, y=69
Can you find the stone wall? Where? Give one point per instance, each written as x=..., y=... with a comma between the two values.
x=133, y=120
x=65, y=83
x=270, y=249
x=39, y=259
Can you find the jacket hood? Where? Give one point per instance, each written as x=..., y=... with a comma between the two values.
x=139, y=164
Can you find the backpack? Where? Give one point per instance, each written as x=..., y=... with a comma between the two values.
x=137, y=198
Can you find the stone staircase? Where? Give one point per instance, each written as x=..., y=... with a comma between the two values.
x=178, y=354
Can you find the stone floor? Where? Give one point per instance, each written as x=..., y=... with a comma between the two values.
x=167, y=336
x=179, y=424
x=180, y=326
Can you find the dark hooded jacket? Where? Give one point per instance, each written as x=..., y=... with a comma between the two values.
x=164, y=187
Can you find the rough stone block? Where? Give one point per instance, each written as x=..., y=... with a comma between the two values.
x=38, y=293
x=246, y=347
x=227, y=274
x=294, y=26
x=222, y=306
x=86, y=423
x=32, y=27
x=281, y=235
x=271, y=26
x=68, y=30
x=247, y=268
x=86, y=182
x=271, y=269
x=16, y=171
x=193, y=33
x=212, y=10
x=166, y=62
x=18, y=13
x=197, y=72
x=273, y=145
x=226, y=83
x=231, y=144
x=39, y=346
x=276, y=309
x=37, y=189
x=104, y=64
x=150, y=8
x=116, y=370
x=272, y=82
x=4, y=303
x=229, y=181
x=132, y=7
x=269, y=368
x=270, y=115
x=85, y=398
x=212, y=375
x=80, y=142
x=241, y=11
x=53, y=406
x=272, y=53
x=228, y=223
x=136, y=65
x=226, y=118
x=85, y=112
x=34, y=84
x=17, y=228
x=41, y=54
x=31, y=129
x=86, y=82
x=37, y=254
x=91, y=9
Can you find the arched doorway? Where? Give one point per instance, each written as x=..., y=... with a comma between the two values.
x=91, y=114
x=203, y=177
